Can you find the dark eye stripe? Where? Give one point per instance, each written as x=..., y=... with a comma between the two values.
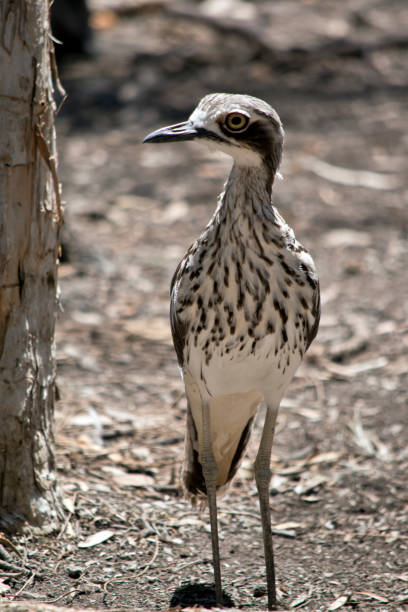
x=210, y=135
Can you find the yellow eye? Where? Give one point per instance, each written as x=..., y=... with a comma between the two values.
x=236, y=122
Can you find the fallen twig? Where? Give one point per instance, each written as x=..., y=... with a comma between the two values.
x=351, y=177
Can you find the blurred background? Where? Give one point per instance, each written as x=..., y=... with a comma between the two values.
x=336, y=72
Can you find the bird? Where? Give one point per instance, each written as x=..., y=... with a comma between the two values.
x=244, y=308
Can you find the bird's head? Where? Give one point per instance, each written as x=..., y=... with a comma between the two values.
x=242, y=126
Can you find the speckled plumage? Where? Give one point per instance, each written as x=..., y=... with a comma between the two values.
x=245, y=297
x=244, y=309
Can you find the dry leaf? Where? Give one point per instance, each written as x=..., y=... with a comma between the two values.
x=299, y=601
x=133, y=480
x=309, y=413
x=370, y=595
x=348, y=371
x=403, y=577
x=69, y=504
x=289, y=525
x=338, y=603
x=190, y=521
x=288, y=529
x=4, y=587
x=96, y=538
x=329, y=457
x=292, y=469
x=126, y=479
x=309, y=485
x=368, y=441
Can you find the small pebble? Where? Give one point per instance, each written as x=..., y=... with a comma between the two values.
x=74, y=571
x=260, y=591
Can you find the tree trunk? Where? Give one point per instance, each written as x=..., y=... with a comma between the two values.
x=30, y=219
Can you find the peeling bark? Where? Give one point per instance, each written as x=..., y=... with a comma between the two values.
x=30, y=219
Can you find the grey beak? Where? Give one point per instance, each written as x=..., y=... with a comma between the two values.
x=171, y=133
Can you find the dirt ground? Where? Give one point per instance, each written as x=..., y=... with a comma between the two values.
x=337, y=74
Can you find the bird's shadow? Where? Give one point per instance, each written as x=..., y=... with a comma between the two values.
x=198, y=594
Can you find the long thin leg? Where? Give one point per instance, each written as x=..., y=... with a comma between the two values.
x=210, y=476
x=263, y=477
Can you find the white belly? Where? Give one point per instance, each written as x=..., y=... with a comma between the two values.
x=262, y=372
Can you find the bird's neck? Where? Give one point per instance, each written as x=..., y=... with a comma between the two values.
x=248, y=191
x=252, y=179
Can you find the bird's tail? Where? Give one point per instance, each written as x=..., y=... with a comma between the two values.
x=231, y=420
